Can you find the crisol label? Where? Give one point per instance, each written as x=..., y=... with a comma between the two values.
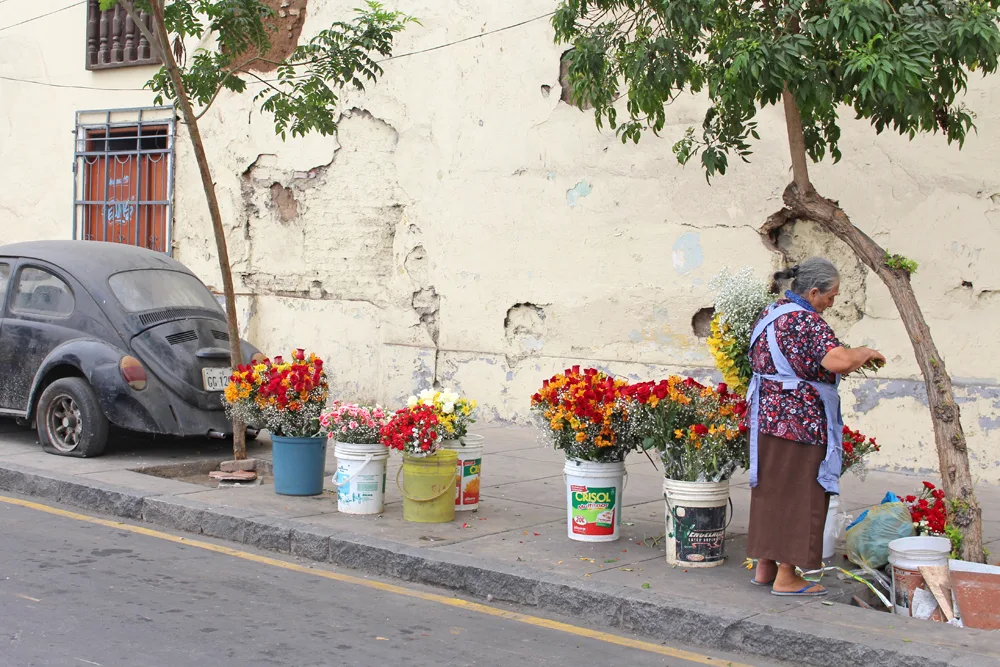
x=594, y=510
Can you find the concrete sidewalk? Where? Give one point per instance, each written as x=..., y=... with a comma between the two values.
x=515, y=547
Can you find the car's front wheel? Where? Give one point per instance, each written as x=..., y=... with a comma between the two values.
x=70, y=422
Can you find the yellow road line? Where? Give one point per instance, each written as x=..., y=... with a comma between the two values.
x=389, y=588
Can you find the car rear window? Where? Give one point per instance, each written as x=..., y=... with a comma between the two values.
x=158, y=289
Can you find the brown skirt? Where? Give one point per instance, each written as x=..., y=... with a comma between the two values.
x=788, y=507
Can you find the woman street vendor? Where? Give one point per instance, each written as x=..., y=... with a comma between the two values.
x=796, y=428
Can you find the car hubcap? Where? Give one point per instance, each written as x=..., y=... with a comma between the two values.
x=65, y=424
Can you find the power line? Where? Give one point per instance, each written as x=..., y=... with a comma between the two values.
x=402, y=55
x=63, y=85
x=75, y=4
x=468, y=39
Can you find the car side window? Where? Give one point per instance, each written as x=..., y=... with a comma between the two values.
x=39, y=292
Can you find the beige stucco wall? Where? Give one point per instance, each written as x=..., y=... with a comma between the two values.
x=467, y=226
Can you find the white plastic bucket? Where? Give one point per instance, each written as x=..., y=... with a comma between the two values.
x=593, y=500
x=360, y=478
x=470, y=465
x=906, y=555
x=696, y=522
x=835, y=524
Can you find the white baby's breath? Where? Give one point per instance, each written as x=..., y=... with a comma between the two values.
x=740, y=298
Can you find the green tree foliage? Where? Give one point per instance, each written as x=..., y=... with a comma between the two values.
x=900, y=64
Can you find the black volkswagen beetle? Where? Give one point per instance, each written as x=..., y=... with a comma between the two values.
x=97, y=334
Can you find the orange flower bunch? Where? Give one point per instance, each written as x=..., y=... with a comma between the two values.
x=697, y=429
x=585, y=413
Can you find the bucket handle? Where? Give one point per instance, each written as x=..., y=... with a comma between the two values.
x=421, y=500
x=732, y=510
x=368, y=459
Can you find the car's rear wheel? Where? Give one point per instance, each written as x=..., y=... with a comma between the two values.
x=70, y=422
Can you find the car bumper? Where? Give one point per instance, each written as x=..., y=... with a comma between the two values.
x=155, y=409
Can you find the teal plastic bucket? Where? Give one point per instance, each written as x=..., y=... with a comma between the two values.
x=298, y=465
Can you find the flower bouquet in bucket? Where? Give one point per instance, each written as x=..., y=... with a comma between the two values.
x=699, y=434
x=429, y=471
x=583, y=414
x=286, y=397
x=455, y=413
x=361, y=457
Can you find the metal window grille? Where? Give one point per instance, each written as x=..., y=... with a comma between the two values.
x=123, y=186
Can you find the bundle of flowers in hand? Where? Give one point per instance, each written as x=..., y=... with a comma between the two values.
x=697, y=430
x=455, y=413
x=739, y=300
x=285, y=397
x=414, y=431
x=857, y=448
x=354, y=424
x=584, y=414
x=929, y=511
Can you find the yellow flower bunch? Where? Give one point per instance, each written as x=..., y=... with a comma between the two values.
x=454, y=412
x=729, y=354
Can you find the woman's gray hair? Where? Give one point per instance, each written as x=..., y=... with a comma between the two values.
x=817, y=272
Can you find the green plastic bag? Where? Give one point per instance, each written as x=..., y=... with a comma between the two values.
x=868, y=539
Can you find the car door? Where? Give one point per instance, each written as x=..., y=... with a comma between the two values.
x=40, y=306
x=6, y=269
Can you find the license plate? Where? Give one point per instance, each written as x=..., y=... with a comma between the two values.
x=216, y=379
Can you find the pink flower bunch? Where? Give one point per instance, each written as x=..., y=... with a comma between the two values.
x=354, y=424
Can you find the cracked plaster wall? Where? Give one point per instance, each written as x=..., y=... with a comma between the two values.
x=466, y=226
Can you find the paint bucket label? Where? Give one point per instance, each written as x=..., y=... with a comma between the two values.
x=467, y=484
x=593, y=510
x=364, y=488
x=700, y=534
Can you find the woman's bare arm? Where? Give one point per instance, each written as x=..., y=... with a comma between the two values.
x=844, y=360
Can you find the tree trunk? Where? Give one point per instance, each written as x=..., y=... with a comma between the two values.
x=235, y=353
x=802, y=202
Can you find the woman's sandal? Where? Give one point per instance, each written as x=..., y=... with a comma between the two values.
x=802, y=593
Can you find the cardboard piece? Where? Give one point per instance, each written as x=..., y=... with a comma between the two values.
x=937, y=579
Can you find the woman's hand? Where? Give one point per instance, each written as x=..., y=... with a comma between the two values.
x=842, y=360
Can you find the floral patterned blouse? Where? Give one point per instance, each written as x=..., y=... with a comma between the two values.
x=804, y=338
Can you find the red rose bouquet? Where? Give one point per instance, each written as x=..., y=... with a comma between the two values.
x=929, y=511
x=584, y=414
x=857, y=447
x=698, y=430
x=414, y=431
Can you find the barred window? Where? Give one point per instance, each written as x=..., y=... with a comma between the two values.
x=124, y=173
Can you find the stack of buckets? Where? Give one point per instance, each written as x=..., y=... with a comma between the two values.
x=906, y=556
x=433, y=487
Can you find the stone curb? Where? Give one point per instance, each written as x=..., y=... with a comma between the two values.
x=838, y=638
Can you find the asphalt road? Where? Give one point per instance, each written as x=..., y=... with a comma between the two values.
x=74, y=594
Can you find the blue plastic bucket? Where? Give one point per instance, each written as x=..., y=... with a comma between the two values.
x=298, y=465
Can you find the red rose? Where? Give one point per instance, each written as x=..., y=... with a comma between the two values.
x=743, y=428
x=700, y=430
x=938, y=493
x=929, y=486
x=575, y=370
x=723, y=388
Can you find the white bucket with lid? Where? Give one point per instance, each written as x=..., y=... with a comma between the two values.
x=906, y=556
x=696, y=522
x=470, y=465
x=360, y=478
x=594, y=499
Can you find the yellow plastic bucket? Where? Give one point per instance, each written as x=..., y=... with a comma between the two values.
x=428, y=487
